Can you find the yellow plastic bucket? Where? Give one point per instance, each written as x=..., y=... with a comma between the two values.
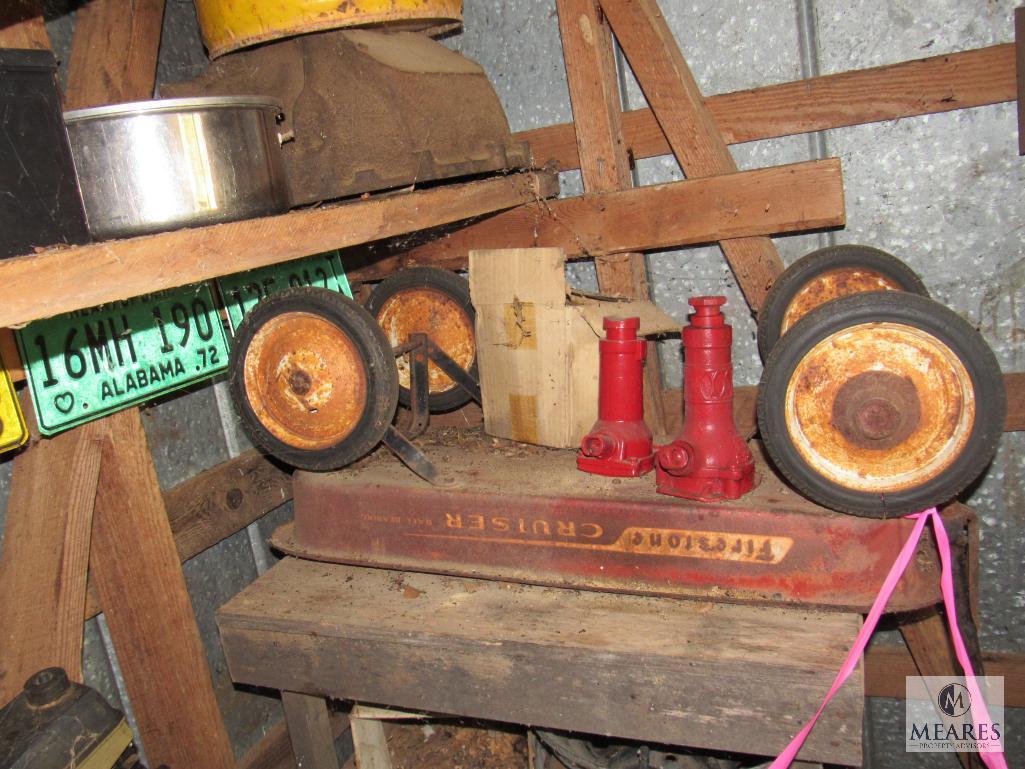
x=228, y=25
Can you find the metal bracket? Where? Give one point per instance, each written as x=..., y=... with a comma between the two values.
x=420, y=348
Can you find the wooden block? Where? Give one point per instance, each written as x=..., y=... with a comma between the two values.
x=84, y=276
x=1019, y=48
x=663, y=670
x=309, y=728
x=129, y=37
x=699, y=147
x=46, y=556
x=790, y=198
x=942, y=83
x=136, y=570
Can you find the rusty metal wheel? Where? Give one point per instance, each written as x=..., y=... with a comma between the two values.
x=313, y=378
x=828, y=274
x=437, y=303
x=881, y=404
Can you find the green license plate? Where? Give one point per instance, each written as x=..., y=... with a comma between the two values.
x=88, y=363
x=241, y=292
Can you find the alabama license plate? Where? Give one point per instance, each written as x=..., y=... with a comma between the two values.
x=240, y=292
x=88, y=363
x=13, y=432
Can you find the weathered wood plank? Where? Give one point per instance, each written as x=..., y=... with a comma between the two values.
x=136, y=570
x=218, y=502
x=370, y=744
x=46, y=557
x=942, y=83
x=84, y=276
x=22, y=26
x=790, y=198
x=687, y=123
x=309, y=729
x=128, y=34
x=605, y=167
x=478, y=648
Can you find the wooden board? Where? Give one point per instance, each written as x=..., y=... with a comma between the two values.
x=789, y=198
x=309, y=729
x=84, y=276
x=46, y=556
x=676, y=672
x=942, y=83
x=135, y=568
x=687, y=123
x=21, y=25
x=218, y=502
x=128, y=35
x=605, y=167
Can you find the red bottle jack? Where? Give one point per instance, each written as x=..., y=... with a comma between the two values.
x=708, y=460
x=620, y=442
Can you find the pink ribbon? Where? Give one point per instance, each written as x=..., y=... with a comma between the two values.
x=992, y=760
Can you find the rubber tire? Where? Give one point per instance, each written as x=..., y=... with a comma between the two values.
x=453, y=286
x=373, y=347
x=908, y=309
x=809, y=267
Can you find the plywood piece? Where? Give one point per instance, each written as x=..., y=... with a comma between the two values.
x=128, y=34
x=309, y=728
x=137, y=573
x=668, y=671
x=45, y=558
x=936, y=84
x=84, y=276
x=781, y=199
x=699, y=147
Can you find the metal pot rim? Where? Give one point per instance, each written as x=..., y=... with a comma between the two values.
x=157, y=106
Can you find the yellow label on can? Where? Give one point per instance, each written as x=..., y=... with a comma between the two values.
x=13, y=432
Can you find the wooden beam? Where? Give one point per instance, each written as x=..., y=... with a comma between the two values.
x=309, y=729
x=274, y=750
x=219, y=502
x=1014, y=384
x=791, y=198
x=128, y=35
x=886, y=666
x=22, y=26
x=687, y=123
x=138, y=576
x=46, y=557
x=937, y=84
x=84, y=276
x=597, y=112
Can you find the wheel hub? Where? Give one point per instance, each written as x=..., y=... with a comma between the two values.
x=876, y=409
x=831, y=285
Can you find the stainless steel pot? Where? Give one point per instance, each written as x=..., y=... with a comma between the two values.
x=159, y=165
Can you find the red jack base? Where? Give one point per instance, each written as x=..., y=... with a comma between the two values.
x=606, y=450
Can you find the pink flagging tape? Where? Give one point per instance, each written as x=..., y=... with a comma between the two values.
x=992, y=760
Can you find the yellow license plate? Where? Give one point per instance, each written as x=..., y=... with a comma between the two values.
x=13, y=432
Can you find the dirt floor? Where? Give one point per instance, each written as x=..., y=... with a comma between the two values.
x=454, y=745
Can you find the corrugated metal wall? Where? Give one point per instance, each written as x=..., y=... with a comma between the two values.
x=944, y=192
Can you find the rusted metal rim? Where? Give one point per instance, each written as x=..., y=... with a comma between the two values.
x=833, y=284
x=442, y=318
x=880, y=407
x=305, y=380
